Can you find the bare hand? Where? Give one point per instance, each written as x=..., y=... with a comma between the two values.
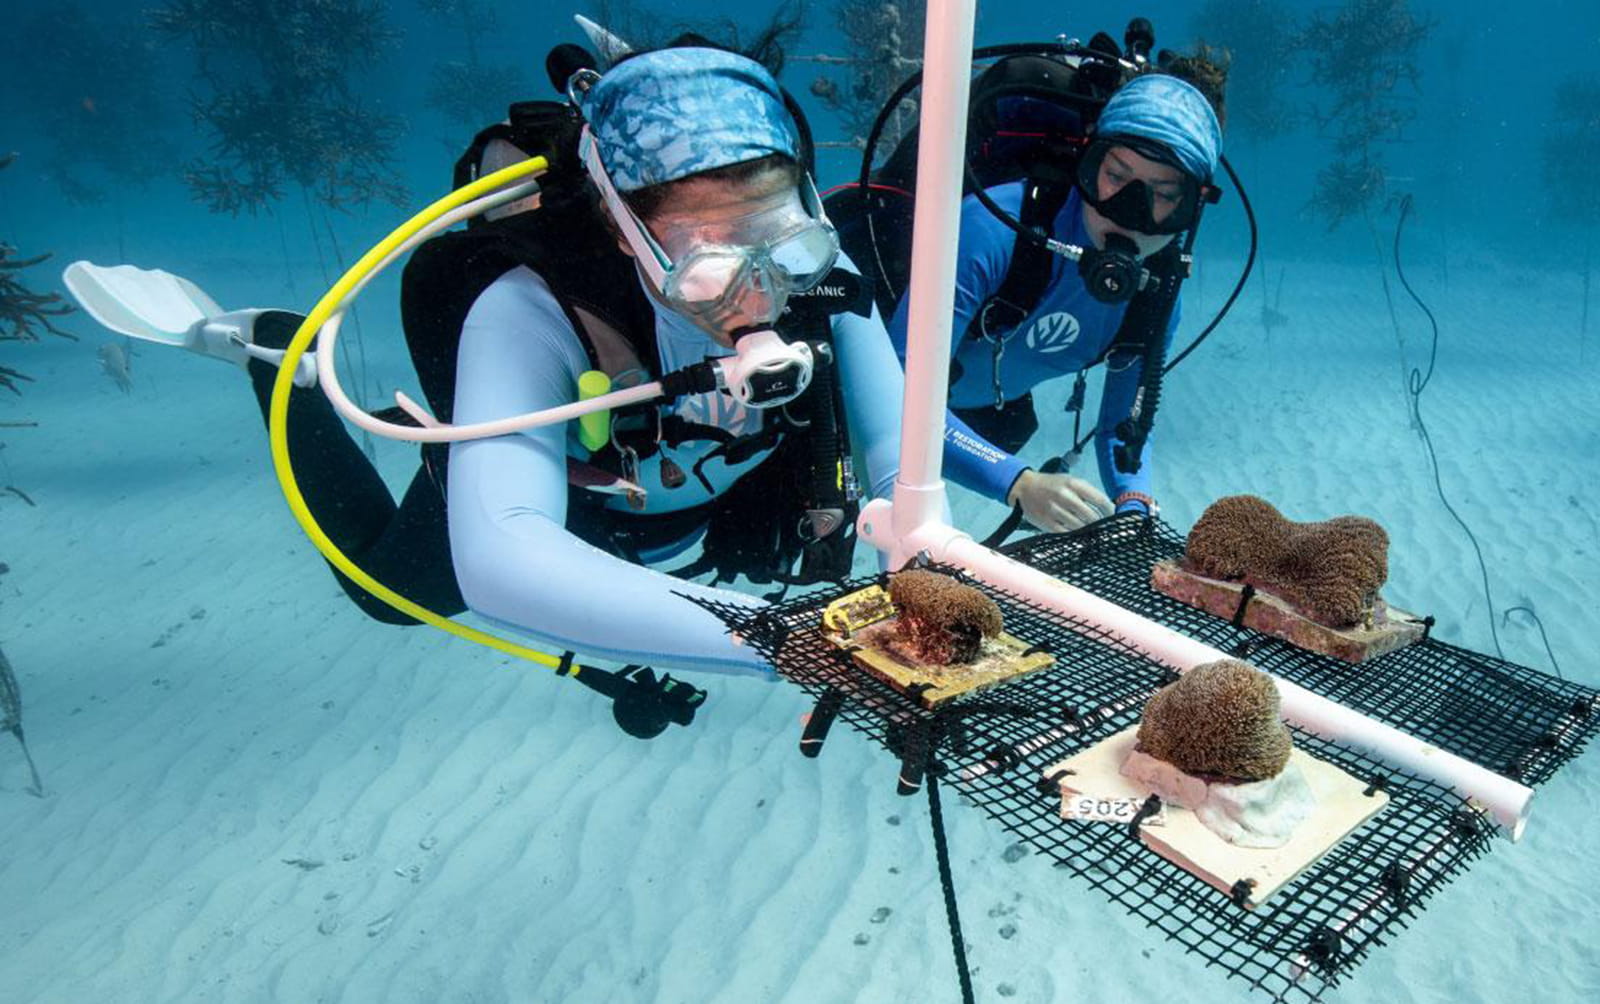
x=1057, y=503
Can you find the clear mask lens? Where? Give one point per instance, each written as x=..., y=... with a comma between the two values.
x=705, y=277
x=806, y=257
x=752, y=266
x=729, y=290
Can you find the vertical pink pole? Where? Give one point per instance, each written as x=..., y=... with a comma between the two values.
x=941, y=156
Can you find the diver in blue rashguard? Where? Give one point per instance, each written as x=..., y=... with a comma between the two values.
x=678, y=222
x=1157, y=143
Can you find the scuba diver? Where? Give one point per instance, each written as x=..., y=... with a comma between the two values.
x=679, y=238
x=1139, y=181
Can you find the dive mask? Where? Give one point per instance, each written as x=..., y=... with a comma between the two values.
x=1164, y=208
x=735, y=274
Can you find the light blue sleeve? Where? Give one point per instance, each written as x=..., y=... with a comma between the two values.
x=516, y=563
x=986, y=245
x=873, y=387
x=1123, y=374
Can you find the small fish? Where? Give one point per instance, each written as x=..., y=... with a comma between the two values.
x=114, y=363
x=88, y=105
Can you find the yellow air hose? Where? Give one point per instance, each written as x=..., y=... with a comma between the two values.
x=278, y=412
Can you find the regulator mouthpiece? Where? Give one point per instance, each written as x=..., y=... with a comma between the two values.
x=765, y=371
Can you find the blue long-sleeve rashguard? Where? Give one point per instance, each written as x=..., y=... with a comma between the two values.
x=1067, y=331
x=515, y=561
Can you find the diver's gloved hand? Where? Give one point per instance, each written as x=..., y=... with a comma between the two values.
x=1057, y=503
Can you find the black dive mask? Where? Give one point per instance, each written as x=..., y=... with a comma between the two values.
x=1133, y=206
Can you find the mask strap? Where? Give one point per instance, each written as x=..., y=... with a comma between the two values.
x=812, y=201
x=646, y=251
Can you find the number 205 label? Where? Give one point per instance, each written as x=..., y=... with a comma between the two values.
x=1109, y=810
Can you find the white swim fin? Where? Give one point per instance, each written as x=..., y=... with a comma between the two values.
x=142, y=303
x=157, y=306
x=608, y=46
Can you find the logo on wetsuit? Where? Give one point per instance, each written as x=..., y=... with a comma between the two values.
x=1053, y=332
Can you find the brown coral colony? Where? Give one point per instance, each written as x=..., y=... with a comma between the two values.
x=1330, y=570
x=943, y=620
x=1219, y=721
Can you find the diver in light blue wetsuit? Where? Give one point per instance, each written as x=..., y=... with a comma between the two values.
x=707, y=228
x=697, y=162
x=1157, y=141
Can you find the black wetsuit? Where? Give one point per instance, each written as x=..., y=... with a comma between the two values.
x=406, y=546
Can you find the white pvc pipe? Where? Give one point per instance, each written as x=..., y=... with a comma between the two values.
x=1506, y=800
x=912, y=525
x=936, y=228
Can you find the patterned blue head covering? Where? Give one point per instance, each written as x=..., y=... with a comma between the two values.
x=675, y=112
x=1171, y=112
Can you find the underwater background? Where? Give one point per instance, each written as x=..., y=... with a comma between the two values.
x=253, y=793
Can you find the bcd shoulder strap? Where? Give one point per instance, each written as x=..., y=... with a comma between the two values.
x=1031, y=266
x=568, y=248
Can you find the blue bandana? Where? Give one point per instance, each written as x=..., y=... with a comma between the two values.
x=675, y=112
x=1171, y=112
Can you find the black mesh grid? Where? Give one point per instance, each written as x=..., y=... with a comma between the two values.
x=1511, y=719
x=994, y=747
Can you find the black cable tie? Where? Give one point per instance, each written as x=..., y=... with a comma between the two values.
x=1583, y=707
x=916, y=690
x=565, y=667
x=1035, y=649
x=770, y=628
x=1326, y=946
x=1427, y=626
x=1241, y=890
x=1375, y=784
x=1072, y=717
x=1169, y=676
x=1050, y=785
x=1465, y=823
x=1151, y=806
x=1004, y=756
x=1246, y=594
x=1397, y=879
x=1246, y=648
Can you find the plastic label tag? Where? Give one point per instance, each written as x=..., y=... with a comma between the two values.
x=1109, y=810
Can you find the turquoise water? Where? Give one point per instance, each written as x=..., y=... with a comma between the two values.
x=255, y=794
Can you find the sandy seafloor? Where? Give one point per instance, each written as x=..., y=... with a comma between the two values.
x=205, y=707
